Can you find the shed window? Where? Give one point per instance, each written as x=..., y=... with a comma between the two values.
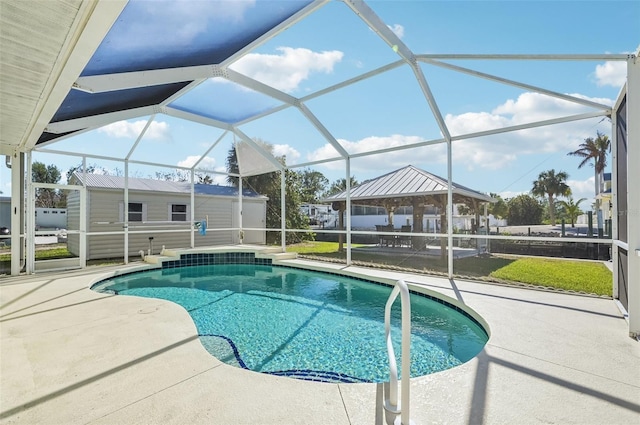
x=178, y=212
x=137, y=211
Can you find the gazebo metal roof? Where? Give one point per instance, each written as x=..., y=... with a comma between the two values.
x=406, y=182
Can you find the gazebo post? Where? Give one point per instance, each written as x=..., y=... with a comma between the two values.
x=390, y=206
x=442, y=205
x=418, y=242
x=340, y=207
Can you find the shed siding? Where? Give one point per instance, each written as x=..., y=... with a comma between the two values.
x=73, y=221
x=104, y=216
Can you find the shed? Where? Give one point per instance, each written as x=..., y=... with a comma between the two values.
x=160, y=210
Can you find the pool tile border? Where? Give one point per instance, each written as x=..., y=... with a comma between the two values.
x=209, y=259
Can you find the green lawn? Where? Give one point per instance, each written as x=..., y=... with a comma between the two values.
x=44, y=254
x=580, y=276
x=585, y=276
x=314, y=247
x=49, y=253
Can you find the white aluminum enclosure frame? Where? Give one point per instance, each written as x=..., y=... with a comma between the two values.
x=91, y=38
x=633, y=194
x=31, y=233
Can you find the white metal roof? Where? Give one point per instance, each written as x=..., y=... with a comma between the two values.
x=406, y=182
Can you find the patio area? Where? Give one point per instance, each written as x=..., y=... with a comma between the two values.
x=71, y=355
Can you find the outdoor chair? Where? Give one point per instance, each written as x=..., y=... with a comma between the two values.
x=389, y=240
x=380, y=228
x=403, y=239
x=385, y=240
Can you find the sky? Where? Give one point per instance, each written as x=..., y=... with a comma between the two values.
x=389, y=109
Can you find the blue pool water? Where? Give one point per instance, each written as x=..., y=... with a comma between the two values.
x=303, y=324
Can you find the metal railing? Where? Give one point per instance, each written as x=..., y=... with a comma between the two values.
x=391, y=403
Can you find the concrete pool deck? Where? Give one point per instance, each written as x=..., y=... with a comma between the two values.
x=73, y=356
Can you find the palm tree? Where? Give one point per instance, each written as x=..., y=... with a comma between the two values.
x=550, y=184
x=596, y=150
x=572, y=209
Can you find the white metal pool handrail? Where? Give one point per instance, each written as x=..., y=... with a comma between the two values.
x=391, y=403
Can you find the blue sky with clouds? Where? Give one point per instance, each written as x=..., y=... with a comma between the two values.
x=390, y=109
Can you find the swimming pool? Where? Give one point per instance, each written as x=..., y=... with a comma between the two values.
x=303, y=324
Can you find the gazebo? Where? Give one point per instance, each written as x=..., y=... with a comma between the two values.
x=410, y=186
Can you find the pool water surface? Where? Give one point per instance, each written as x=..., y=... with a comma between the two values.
x=303, y=324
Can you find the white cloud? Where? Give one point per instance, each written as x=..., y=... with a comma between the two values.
x=399, y=158
x=207, y=163
x=583, y=189
x=611, y=74
x=219, y=179
x=508, y=194
x=289, y=152
x=158, y=130
x=286, y=70
x=498, y=151
x=397, y=30
x=160, y=28
x=490, y=152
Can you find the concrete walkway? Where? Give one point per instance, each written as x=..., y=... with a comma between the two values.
x=73, y=356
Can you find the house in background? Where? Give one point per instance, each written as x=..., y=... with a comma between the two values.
x=5, y=211
x=160, y=210
x=49, y=218
x=604, y=195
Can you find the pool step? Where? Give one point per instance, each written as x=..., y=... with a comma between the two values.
x=276, y=256
x=157, y=259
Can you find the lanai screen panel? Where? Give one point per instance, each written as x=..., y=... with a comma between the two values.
x=621, y=140
x=623, y=209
